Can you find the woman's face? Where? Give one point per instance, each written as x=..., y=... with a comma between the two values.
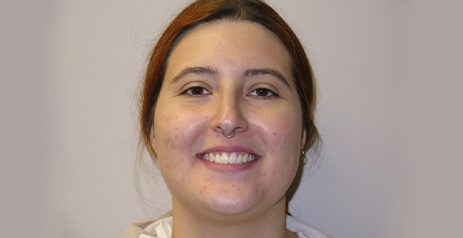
x=222, y=76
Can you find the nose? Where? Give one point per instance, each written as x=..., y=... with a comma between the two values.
x=229, y=117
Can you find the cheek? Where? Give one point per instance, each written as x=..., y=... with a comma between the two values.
x=168, y=126
x=284, y=142
x=176, y=133
x=284, y=134
x=166, y=132
x=170, y=139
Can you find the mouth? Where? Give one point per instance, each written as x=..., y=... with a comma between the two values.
x=233, y=158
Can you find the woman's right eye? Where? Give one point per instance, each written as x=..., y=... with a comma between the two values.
x=196, y=91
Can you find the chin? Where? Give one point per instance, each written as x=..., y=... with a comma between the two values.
x=230, y=207
x=238, y=204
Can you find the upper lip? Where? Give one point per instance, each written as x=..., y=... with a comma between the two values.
x=229, y=149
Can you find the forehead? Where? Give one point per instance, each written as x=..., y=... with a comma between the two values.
x=238, y=45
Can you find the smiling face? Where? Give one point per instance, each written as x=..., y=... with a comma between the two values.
x=228, y=75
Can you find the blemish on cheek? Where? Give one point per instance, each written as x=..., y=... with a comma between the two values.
x=274, y=133
x=203, y=190
x=283, y=175
x=257, y=190
x=264, y=174
x=172, y=144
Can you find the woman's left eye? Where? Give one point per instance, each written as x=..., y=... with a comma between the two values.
x=263, y=93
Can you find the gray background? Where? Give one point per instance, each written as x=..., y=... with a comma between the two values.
x=389, y=114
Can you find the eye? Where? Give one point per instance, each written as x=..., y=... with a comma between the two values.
x=263, y=93
x=196, y=91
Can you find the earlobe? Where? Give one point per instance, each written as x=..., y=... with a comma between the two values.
x=304, y=135
x=152, y=138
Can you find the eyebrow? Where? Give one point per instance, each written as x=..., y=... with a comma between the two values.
x=194, y=70
x=266, y=71
x=248, y=73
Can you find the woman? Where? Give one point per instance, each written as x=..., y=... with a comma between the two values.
x=227, y=112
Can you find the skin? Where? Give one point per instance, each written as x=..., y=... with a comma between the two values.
x=207, y=89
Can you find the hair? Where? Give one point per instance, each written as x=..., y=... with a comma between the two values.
x=203, y=11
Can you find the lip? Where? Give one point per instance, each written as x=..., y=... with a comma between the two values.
x=229, y=149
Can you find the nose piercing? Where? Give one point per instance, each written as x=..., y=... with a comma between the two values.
x=228, y=136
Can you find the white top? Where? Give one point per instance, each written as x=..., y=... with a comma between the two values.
x=162, y=228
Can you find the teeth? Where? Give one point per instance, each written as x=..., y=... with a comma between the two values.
x=239, y=160
x=226, y=158
x=232, y=159
x=211, y=157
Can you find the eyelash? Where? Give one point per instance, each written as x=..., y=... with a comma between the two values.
x=255, y=92
x=193, y=90
x=190, y=91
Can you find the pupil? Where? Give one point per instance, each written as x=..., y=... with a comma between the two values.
x=197, y=90
x=262, y=92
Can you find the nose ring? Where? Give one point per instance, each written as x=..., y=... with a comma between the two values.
x=228, y=136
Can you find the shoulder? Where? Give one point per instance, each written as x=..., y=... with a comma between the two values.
x=149, y=229
x=302, y=229
x=162, y=226
x=136, y=230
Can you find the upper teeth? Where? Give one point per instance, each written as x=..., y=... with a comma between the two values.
x=226, y=158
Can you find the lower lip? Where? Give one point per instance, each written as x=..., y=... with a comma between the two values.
x=228, y=168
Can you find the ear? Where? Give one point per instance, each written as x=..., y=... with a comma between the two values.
x=303, y=140
x=152, y=138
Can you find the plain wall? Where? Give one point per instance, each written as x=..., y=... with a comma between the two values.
x=70, y=77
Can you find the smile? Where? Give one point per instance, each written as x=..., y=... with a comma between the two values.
x=226, y=158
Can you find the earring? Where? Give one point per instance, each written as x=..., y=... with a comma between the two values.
x=302, y=155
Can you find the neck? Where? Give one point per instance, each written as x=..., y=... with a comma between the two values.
x=189, y=223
